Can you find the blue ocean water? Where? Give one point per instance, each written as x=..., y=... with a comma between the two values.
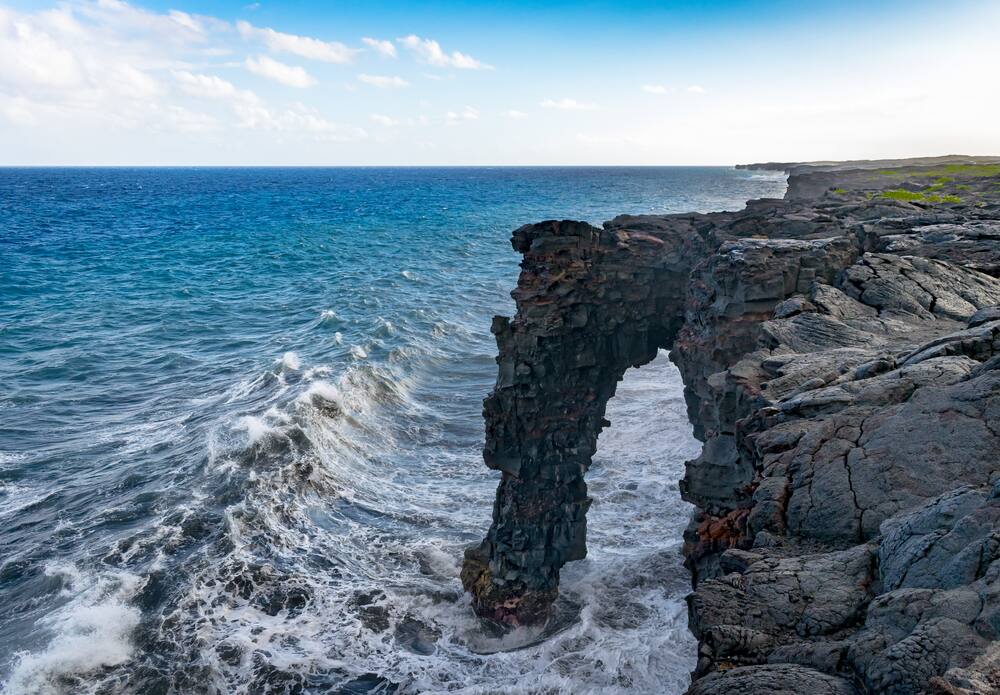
x=240, y=432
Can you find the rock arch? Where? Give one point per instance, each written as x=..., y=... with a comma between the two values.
x=590, y=304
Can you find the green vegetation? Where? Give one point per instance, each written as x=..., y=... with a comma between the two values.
x=948, y=172
x=840, y=191
x=976, y=170
x=918, y=196
x=900, y=194
x=946, y=183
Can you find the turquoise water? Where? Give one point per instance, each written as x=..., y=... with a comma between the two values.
x=240, y=423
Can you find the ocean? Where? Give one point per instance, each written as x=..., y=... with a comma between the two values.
x=240, y=434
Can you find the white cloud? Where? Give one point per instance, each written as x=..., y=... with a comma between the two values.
x=515, y=114
x=213, y=87
x=186, y=21
x=63, y=68
x=467, y=114
x=384, y=120
x=654, y=88
x=385, y=47
x=186, y=121
x=134, y=83
x=253, y=114
x=383, y=81
x=288, y=75
x=32, y=58
x=175, y=27
x=696, y=89
x=303, y=46
x=299, y=120
x=17, y=111
x=568, y=105
x=430, y=51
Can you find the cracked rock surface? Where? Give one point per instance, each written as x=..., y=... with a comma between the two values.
x=840, y=352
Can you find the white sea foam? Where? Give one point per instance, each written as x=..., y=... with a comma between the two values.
x=323, y=389
x=91, y=631
x=623, y=623
x=358, y=352
x=14, y=498
x=385, y=327
x=7, y=457
x=257, y=429
x=321, y=370
x=291, y=361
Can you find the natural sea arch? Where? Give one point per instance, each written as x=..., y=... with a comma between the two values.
x=591, y=303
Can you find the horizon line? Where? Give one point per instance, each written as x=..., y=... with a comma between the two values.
x=361, y=166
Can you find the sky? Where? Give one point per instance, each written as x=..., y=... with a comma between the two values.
x=331, y=83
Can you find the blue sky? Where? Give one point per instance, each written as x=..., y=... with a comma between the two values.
x=335, y=83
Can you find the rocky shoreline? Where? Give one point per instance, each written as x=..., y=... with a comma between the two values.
x=840, y=351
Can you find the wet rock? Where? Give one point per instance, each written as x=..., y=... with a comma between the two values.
x=374, y=614
x=367, y=684
x=416, y=636
x=778, y=679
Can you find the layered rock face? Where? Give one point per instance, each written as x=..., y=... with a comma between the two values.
x=840, y=352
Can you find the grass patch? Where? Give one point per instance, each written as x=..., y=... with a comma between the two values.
x=900, y=194
x=964, y=170
x=948, y=172
x=918, y=196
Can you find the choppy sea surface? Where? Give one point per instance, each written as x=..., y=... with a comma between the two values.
x=240, y=433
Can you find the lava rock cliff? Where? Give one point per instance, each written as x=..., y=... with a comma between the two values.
x=840, y=351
